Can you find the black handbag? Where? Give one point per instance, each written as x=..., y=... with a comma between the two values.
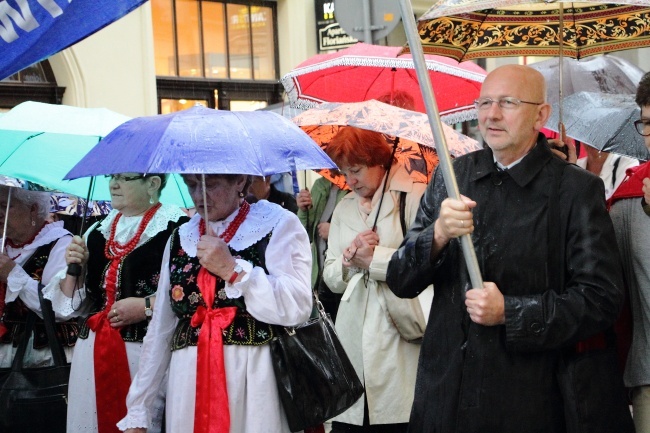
x=316, y=380
x=35, y=400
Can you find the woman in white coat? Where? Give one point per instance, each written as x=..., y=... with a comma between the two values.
x=355, y=265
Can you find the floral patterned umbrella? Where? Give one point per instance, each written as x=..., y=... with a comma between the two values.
x=67, y=204
x=416, y=147
x=470, y=29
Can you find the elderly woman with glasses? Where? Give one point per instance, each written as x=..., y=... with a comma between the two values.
x=121, y=258
x=367, y=226
x=229, y=276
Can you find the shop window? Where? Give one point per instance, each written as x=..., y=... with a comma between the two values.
x=215, y=39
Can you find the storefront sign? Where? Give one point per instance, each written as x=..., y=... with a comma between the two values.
x=330, y=34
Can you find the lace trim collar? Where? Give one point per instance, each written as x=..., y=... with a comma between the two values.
x=260, y=221
x=49, y=233
x=127, y=226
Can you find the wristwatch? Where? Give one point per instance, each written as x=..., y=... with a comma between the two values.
x=235, y=273
x=148, y=311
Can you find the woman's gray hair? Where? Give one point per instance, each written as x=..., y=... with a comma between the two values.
x=29, y=198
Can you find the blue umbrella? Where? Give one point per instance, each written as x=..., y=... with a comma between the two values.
x=204, y=141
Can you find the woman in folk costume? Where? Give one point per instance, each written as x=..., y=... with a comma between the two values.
x=122, y=257
x=222, y=289
x=34, y=253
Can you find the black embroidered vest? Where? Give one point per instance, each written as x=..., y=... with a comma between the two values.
x=15, y=315
x=138, y=276
x=185, y=297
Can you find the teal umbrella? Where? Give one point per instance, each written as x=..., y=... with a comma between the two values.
x=40, y=143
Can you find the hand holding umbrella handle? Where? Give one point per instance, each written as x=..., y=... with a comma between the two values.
x=74, y=269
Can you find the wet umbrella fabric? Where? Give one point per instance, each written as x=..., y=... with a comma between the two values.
x=603, y=121
x=41, y=142
x=364, y=72
x=204, y=141
x=603, y=74
x=415, y=147
x=470, y=29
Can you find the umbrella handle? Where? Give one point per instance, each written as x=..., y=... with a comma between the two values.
x=4, y=230
x=74, y=269
x=208, y=229
x=410, y=28
x=383, y=191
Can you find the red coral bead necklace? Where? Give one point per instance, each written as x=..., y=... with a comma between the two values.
x=232, y=228
x=113, y=249
x=116, y=252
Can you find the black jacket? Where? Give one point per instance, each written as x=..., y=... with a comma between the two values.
x=474, y=378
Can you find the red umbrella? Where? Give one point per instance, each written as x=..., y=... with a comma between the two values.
x=363, y=72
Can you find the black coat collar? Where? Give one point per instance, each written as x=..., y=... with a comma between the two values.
x=522, y=173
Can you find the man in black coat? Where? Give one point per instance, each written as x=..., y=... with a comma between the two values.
x=493, y=357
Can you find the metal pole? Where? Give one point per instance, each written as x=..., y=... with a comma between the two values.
x=4, y=230
x=408, y=18
x=208, y=229
x=367, y=31
x=561, y=66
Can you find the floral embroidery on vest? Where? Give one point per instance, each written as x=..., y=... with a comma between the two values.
x=15, y=317
x=185, y=298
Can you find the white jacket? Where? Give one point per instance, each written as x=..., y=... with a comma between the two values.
x=385, y=362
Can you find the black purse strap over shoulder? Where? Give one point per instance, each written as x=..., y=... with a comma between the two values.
x=17, y=364
x=58, y=354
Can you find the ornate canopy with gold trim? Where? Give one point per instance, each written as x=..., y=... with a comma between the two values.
x=470, y=29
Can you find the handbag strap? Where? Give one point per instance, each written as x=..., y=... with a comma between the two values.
x=17, y=363
x=58, y=354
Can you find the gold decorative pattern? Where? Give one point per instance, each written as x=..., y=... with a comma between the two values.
x=515, y=32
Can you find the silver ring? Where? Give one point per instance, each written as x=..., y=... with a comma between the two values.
x=347, y=260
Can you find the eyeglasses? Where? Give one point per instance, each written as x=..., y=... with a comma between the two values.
x=121, y=178
x=643, y=127
x=507, y=103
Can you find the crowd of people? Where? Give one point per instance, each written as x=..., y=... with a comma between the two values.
x=167, y=326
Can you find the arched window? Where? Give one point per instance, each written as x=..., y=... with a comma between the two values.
x=34, y=83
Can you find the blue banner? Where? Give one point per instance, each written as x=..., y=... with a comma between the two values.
x=33, y=30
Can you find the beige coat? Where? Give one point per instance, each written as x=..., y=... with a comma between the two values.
x=385, y=363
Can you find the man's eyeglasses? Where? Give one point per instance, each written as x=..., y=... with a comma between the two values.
x=507, y=103
x=643, y=127
x=119, y=178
